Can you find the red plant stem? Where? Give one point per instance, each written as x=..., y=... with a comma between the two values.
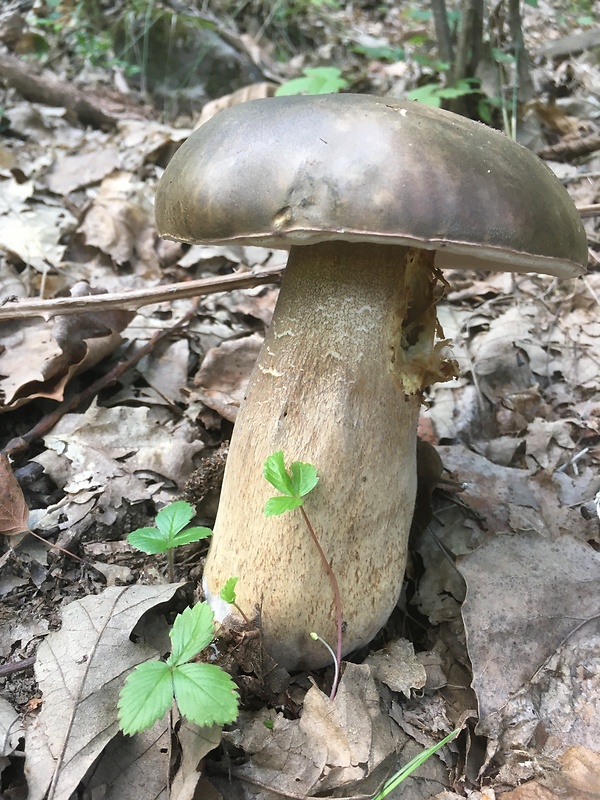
x=336, y=594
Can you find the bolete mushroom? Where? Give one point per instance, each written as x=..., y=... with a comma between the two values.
x=372, y=196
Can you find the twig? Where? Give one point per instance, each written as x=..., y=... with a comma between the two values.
x=592, y=210
x=101, y=108
x=47, y=422
x=16, y=666
x=570, y=148
x=137, y=299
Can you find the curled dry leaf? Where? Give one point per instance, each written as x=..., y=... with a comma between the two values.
x=120, y=223
x=14, y=513
x=397, y=666
x=195, y=744
x=39, y=359
x=333, y=744
x=578, y=779
x=255, y=91
x=31, y=230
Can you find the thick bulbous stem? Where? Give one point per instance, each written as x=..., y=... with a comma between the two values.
x=337, y=384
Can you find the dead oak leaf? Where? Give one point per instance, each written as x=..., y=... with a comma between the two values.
x=526, y=595
x=14, y=513
x=224, y=374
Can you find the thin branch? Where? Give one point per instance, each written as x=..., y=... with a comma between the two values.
x=136, y=299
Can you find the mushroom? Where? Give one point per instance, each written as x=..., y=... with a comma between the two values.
x=372, y=196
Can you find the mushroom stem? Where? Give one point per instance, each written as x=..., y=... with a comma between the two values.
x=337, y=384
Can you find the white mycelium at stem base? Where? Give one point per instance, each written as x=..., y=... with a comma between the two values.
x=337, y=385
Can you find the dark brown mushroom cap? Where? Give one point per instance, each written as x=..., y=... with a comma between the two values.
x=300, y=170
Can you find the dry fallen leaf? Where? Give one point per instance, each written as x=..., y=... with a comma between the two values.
x=135, y=767
x=11, y=729
x=80, y=670
x=106, y=456
x=397, y=666
x=39, y=358
x=578, y=779
x=32, y=230
x=333, y=744
x=75, y=171
x=195, y=743
x=526, y=596
x=224, y=374
x=120, y=222
x=14, y=513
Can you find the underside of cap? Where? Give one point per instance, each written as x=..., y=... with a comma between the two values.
x=289, y=171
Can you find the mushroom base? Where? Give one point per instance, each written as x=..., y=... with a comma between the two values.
x=337, y=384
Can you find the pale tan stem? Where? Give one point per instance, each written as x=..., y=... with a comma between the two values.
x=338, y=385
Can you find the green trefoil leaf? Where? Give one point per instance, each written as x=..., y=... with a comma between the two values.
x=174, y=517
x=205, y=694
x=146, y=697
x=192, y=631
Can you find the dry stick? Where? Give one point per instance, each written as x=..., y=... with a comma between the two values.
x=16, y=666
x=336, y=594
x=47, y=422
x=137, y=299
x=593, y=210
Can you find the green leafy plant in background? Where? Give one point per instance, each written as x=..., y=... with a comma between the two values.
x=294, y=486
x=80, y=27
x=316, y=80
x=380, y=52
x=170, y=532
x=204, y=693
x=432, y=94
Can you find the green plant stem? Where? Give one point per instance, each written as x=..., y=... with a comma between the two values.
x=237, y=608
x=336, y=666
x=171, y=563
x=337, y=597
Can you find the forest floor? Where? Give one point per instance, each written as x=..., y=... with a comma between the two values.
x=497, y=631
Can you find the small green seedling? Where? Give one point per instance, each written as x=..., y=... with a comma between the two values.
x=316, y=80
x=294, y=486
x=228, y=594
x=204, y=693
x=170, y=532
